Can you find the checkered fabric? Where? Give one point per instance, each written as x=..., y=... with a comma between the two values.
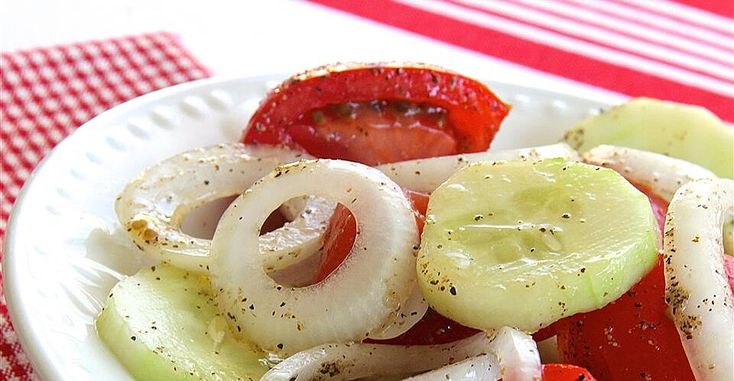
x=46, y=93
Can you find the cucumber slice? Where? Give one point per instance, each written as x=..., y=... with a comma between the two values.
x=524, y=244
x=162, y=324
x=686, y=132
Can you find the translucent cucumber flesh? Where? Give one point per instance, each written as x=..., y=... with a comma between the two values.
x=524, y=244
x=163, y=325
x=686, y=132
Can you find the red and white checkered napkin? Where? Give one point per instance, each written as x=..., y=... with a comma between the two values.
x=46, y=93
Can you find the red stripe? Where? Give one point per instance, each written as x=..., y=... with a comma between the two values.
x=721, y=7
x=620, y=30
x=559, y=31
x=641, y=21
x=565, y=64
x=697, y=23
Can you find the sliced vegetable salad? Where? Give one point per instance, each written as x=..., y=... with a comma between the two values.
x=407, y=248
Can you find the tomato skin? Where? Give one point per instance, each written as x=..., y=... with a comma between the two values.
x=473, y=112
x=632, y=338
x=565, y=372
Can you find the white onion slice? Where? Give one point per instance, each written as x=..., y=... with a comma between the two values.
x=697, y=289
x=484, y=367
x=512, y=356
x=513, y=349
x=518, y=355
x=152, y=207
x=375, y=279
x=425, y=175
x=661, y=174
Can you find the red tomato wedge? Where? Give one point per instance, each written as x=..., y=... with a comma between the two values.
x=378, y=113
x=565, y=372
x=632, y=338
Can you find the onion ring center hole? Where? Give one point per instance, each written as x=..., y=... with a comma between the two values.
x=319, y=257
x=202, y=221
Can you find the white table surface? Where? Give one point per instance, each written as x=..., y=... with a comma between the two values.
x=256, y=37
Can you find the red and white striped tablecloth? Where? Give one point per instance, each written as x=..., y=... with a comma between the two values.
x=681, y=51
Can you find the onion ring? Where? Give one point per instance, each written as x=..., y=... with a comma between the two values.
x=375, y=279
x=697, y=289
x=425, y=175
x=516, y=352
x=153, y=205
x=661, y=174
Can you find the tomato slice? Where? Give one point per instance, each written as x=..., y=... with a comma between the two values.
x=565, y=372
x=632, y=338
x=373, y=113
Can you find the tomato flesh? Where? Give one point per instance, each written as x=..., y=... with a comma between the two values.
x=371, y=133
x=378, y=114
x=565, y=372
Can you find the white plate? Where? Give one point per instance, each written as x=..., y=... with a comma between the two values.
x=60, y=258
